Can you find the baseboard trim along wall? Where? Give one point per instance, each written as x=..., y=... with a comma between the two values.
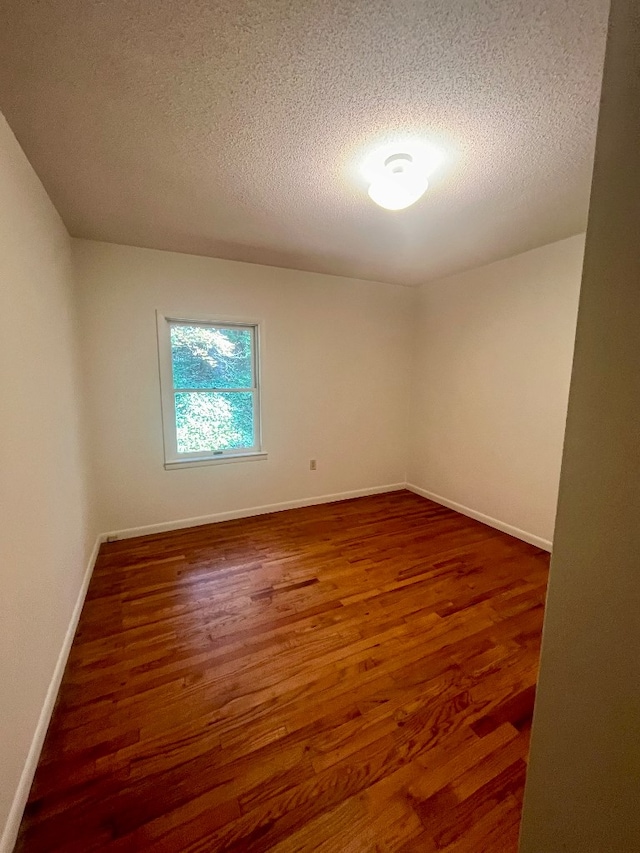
x=531, y=538
x=164, y=526
x=10, y=833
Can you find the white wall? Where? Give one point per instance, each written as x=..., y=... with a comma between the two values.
x=583, y=784
x=45, y=532
x=490, y=385
x=487, y=354
x=335, y=364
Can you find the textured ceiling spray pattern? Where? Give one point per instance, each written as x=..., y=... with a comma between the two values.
x=236, y=129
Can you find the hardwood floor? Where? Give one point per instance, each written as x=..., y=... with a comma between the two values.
x=352, y=677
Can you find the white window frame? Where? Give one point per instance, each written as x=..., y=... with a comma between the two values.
x=172, y=458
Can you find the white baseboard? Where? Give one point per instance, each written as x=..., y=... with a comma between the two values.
x=10, y=833
x=164, y=526
x=531, y=538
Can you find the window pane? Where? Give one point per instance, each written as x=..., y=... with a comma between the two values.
x=214, y=420
x=206, y=357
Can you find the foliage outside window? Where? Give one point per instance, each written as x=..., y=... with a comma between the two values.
x=209, y=382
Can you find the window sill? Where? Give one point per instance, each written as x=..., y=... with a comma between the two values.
x=216, y=460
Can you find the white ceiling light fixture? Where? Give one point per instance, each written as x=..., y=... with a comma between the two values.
x=398, y=175
x=400, y=185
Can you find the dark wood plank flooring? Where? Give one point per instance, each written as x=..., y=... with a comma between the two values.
x=344, y=678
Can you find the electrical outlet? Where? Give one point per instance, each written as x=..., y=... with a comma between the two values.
x=312, y=464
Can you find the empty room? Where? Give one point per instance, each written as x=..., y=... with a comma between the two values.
x=320, y=391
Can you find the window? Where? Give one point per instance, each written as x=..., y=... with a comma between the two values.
x=209, y=381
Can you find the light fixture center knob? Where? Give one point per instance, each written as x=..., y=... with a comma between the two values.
x=398, y=163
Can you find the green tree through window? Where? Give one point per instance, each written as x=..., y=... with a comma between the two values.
x=214, y=387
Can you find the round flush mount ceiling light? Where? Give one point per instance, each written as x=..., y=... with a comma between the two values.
x=400, y=184
x=398, y=176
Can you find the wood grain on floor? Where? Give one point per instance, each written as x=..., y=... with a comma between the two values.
x=345, y=678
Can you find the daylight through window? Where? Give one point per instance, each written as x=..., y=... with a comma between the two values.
x=210, y=392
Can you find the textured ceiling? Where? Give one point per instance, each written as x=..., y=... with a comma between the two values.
x=236, y=128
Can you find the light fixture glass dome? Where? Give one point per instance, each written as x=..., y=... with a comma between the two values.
x=397, y=171
x=399, y=183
